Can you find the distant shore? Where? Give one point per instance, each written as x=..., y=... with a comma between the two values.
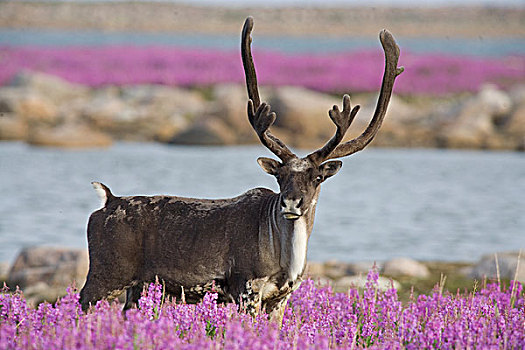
x=469, y=22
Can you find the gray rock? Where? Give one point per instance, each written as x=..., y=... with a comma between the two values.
x=304, y=113
x=168, y=128
x=28, y=105
x=52, y=87
x=334, y=269
x=144, y=112
x=359, y=282
x=314, y=269
x=111, y=114
x=363, y=267
x=4, y=270
x=104, y=108
x=210, y=132
x=517, y=94
x=41, y=291
x=404, y=125
x=508, y=266
x=405, y=267
x=12, y=127
x=161, y=102
x=162, y=95
x=474, y=124
x=229, y=105
x=57, y=267
x=69, y=136
x=515, y=124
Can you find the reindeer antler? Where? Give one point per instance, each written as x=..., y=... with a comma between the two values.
x=259, y=114
x=391, y=72
x=342, y=120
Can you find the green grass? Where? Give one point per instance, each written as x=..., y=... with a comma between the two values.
x=444, y=275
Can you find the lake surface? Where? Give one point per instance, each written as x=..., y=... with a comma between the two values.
x=483, y=47
x=424, y=204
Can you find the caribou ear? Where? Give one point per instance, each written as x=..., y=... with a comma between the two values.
x=269, y=165
x=330, y=168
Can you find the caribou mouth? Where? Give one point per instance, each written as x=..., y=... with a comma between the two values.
x=291, y=216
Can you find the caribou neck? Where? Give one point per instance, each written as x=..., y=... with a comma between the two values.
x=286, y=241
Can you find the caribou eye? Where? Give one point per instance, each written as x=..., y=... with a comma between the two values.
x=319, y=178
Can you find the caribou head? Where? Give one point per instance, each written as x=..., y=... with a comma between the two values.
x=299, y=178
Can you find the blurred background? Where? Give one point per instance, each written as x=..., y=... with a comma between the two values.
x=148, y=98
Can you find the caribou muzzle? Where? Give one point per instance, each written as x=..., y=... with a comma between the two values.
x=291, y=208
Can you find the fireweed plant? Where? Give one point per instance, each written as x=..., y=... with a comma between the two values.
x=316, y=318
x=429, y=74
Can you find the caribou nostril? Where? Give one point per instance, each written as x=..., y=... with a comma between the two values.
x=282, y=203
x=300, y=203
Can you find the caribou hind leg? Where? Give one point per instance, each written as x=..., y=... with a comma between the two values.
x=98, y=288
x=133, y=295
x=104, y=281
x=90, y=293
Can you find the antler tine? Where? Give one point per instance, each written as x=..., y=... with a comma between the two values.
x=259, y=114
x=391, y=72
x=247, y=62
x=342, y=120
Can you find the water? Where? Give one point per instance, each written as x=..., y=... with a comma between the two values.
x=424, y=204
x=484, y=47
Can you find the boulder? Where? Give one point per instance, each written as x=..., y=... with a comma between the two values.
x=168, y=128
x=334, y=269
x=314, y=269
x=405, y=267
x=209, y=132
x=109, y=113
x=222, y=121
x=162, y=101
x=359, y=282
x=52, y=87
x=172, y=110
x=476, y=119
x=304, y=113
x=38, y=109
x=507, y=263
x=398, y=113
x=515, y=124
x=517, y=94
x=41, y=292
x=4, y=270
x=143, y=113
x=12, y=127
x=165, y=97
x=69, y=136
x=28, y=105
x=229, y=105
x=404, y=125
x=363, y=267
x=57, y=267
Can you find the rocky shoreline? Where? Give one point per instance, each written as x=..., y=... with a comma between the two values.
x=44, y=110
x=44, y=273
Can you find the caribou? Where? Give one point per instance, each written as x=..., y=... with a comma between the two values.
x=251, y=249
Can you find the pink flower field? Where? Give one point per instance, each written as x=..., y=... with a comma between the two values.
x=430, y=74
x=490, y=318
